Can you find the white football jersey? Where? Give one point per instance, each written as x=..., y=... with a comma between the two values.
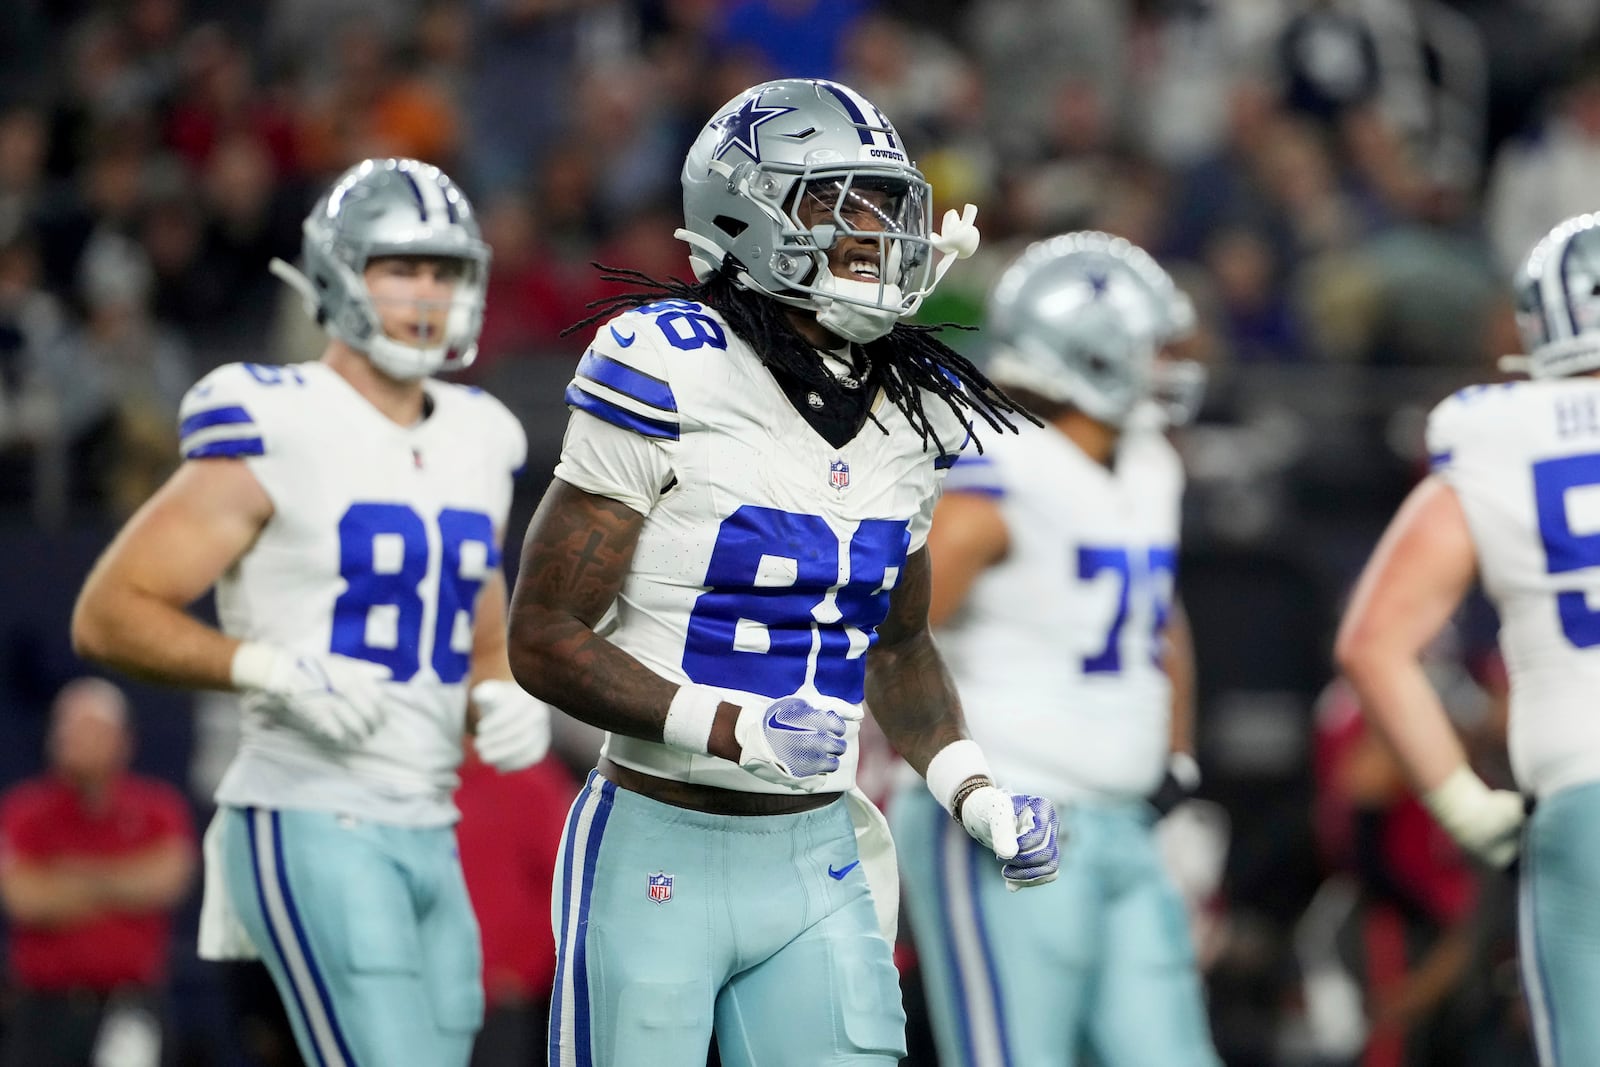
x=1055, y=649
x=1524, y=459
x=380, y=539
x=767, y=556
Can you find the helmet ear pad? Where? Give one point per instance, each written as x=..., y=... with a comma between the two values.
x=394, y=207
x=755, y=163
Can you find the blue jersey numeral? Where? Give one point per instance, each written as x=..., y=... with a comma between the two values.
x=397, y=586
x=269, y=374
x=1155, y=585
x=1566, y=550
x=773, y=571
x=685, y=324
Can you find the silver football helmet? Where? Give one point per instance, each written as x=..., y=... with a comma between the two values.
x=757, y=160
x=1177, y=385
x=1558, y=302
x=391, y=207
x=1072, y=320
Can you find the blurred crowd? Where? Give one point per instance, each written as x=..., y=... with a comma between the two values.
x=1342, y=186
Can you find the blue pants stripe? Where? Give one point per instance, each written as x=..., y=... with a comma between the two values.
x=570, y=1038
x=969, y=956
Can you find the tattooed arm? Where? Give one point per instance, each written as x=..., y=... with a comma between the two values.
x=576, y=554
x=910, y=692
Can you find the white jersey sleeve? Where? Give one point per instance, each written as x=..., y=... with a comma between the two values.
x=237, y=412
x=625, y=416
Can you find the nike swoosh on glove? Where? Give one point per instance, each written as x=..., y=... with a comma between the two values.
x=336, y=699
x=791, y=741
x=1020, y=829
x=513, y=728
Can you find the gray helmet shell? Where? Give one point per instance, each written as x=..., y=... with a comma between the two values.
x=1177, y=385
x=746, y=174
x=1071, y=320
x=1557, y=294
x=393, y=207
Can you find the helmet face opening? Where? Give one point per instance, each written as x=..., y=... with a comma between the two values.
x=406, y=211
x=793, y=169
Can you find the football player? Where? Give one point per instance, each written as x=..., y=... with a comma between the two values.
x=348, y=512
x=729, y=563
x=1054, y=556
x=1511, y=501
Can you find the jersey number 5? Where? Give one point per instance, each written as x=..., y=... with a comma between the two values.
x=1566, y=549
x=384, y=557
x=769, y=577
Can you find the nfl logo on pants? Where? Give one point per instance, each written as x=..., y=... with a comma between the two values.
x=838, y=474
x=660, y=887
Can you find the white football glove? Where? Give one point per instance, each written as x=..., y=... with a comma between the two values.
x=1486, y=822
x=336, y=699
x=513, y=729
x=791, y=741
x=1022, y=830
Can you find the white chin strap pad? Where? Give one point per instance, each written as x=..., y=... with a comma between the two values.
x=857, y=316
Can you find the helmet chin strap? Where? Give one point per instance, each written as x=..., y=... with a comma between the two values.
x=403, y=362
x=861, y=321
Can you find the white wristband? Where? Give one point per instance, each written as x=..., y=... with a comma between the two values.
x=1184, y=770
x=253, y=664
x=689, y=718
x=952, y=765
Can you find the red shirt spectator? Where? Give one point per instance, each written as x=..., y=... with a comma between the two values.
x=46, y=822
x=93, y=861
x=509, y=834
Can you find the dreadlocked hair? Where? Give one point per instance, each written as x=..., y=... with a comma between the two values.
x=912, y=359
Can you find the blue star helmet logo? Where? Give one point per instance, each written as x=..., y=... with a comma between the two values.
x=1098, y=280
x=739, y=128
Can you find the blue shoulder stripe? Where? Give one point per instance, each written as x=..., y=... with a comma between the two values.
x=228, y=416
x=975, y=473
x=632, y=383
x=619, y=416
x=238, y=446
x=1437, y=460
x=944, y=461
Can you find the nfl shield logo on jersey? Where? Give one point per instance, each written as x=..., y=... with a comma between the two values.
x=660, y=887
x=839, y=474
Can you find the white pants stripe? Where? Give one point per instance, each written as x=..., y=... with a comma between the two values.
x=289, y=941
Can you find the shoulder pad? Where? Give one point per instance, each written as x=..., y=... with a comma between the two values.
x=220, y=413
x=496, y=420
x=625, y=376
x=1450, y=422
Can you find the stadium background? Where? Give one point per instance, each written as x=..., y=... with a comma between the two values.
x=1342, y=187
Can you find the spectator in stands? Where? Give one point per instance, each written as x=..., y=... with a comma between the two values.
x=93, y=861
x=1538, y=181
